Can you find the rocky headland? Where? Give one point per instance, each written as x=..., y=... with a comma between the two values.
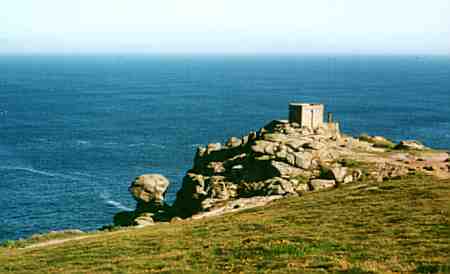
x=281, y=159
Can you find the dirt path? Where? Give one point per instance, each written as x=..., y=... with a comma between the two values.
x=58, y=241
x=76, y=238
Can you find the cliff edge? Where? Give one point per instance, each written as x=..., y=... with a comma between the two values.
x=281, y=159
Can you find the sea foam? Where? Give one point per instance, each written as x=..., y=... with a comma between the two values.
x=40, y=172
x=107, y=198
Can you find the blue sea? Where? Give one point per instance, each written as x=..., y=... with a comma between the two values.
x=76, y=130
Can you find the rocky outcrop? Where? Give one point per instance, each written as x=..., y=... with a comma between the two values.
x=410, y=145
x=285, y=159
x=148, y=190
x=281, y=159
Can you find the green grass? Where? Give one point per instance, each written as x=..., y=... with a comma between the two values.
x=347, y=162
x=394, y=226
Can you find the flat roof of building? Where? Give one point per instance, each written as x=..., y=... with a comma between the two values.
x=304, y=104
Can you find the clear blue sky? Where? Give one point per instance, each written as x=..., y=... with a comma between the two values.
x=225, y=26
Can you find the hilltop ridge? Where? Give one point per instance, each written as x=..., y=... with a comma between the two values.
x=281, y=159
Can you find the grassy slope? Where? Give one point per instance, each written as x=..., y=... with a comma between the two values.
x=399, y=225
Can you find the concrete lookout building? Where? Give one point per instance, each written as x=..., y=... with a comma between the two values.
x=306, y=115
x=311, y=116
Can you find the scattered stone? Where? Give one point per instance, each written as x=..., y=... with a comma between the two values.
x=357, y=174
x=252, y=136
x=347, y=179
x=145, y=219
x=339, y=173
x=279, y=186
x=319, y=184
x=207, y=204
x=300, y=186
x=372, y=188
x=176, y=220
x=214, y=147
x=234, y=142
x=410, y=145
x=237, y=205
x=244, y=140
x=201, y=151
x=217, y=167
x=237, y=167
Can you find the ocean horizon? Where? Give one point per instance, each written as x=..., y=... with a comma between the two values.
x=76, y=130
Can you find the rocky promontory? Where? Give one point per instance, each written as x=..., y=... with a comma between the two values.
x=281, y=159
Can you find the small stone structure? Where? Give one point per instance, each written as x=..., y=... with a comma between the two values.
x=306, y=115
x=311, y=116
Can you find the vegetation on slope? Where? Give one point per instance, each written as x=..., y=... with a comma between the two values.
x=392, y=226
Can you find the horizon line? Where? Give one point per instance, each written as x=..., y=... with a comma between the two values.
x=212, y=54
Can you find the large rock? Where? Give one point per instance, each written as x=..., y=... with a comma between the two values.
x=336, y=172
x=284, y=169
x=319, y=184
x=339, y=173
x=316, y=145
x=295, y=144
x=149, y=190
x=279, y=186
x=299, y=186
x=213, y=147
x=234, y=142
x=144, y=219
x=303, y=160
x=377, y=141
x=262, y=146
x=410, y=145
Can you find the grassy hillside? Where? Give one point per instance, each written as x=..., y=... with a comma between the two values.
x=394, y=226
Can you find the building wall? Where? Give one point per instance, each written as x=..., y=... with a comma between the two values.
x=307, y=115
x=295, y=113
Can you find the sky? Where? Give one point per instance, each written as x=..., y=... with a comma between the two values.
x=225, y=26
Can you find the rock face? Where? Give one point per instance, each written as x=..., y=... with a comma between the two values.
x=149, y=190
x=285, y=159
x=281, y=159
